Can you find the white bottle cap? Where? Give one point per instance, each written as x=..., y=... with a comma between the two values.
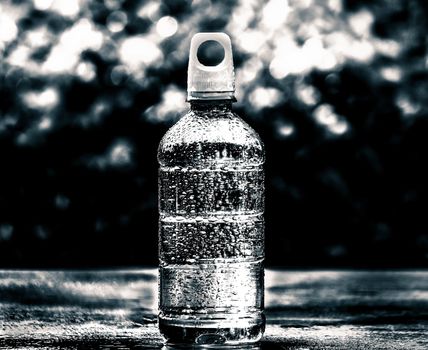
x=210, y=82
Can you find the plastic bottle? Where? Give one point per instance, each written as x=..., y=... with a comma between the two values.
x=211, y=202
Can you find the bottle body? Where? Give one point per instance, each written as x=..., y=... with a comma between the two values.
x=211, y=229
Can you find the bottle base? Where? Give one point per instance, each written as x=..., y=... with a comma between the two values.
x=184, y=333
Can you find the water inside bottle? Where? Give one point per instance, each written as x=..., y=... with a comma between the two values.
x=211, y=245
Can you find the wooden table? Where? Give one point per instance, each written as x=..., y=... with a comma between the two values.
x=305, y=310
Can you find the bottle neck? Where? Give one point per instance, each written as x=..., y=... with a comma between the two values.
x=211, y=105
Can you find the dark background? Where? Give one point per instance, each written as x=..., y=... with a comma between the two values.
x=337, y=90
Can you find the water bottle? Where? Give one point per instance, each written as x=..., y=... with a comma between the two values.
x=211, y=202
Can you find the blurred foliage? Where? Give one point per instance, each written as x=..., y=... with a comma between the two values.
x=338, y=91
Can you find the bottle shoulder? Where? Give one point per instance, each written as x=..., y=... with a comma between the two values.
x=204, y=137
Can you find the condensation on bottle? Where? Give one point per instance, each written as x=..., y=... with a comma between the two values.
x=211, y=203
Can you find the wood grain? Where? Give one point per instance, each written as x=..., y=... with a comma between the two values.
x=304, y=309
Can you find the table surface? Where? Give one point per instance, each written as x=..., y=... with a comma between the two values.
x=305, y=309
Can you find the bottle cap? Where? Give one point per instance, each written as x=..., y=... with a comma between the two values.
x=210, y=82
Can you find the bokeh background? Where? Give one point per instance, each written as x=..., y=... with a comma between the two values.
x=337, y=89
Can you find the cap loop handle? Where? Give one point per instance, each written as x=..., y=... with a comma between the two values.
x=207, y=79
